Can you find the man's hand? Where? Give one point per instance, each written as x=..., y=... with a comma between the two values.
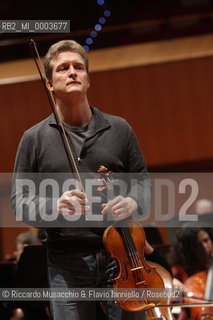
x=73, y=202
x=120, y=207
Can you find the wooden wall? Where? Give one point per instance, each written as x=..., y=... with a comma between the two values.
x=169, y=105
x=167, y=102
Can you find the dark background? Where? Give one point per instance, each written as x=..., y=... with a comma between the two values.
x=131, y=21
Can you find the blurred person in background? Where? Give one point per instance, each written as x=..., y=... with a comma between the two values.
x=190, y=253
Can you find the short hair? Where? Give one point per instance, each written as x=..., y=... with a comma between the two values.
x=63, y=46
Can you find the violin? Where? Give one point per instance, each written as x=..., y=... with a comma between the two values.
x=125, y=242
x=195, y=288
x=162, y=312
x=126, y=245
x=199, y=286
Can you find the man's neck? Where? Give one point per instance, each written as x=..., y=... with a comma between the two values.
x=76, y=113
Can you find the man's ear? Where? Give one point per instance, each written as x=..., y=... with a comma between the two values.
x=49, y=85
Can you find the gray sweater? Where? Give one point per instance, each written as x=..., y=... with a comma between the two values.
x=108, y=140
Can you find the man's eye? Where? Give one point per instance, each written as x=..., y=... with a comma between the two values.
x=79, y=68
x=63, y=68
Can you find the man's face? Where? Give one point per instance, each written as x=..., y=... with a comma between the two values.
x=69, y=75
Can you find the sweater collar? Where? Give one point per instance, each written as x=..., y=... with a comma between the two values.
x=100, y=122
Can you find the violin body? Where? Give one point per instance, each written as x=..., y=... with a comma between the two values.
x=126, y=246
x=195, y=288
x=158, y=312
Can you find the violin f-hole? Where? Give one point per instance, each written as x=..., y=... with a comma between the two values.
x=125, y=278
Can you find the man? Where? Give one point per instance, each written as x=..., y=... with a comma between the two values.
x=76, y=256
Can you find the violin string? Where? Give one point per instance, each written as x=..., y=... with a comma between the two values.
x=137, y=259
x=132, y=252
x=128, y=245
x=137, y=256
x=128, y=241
x=133, y=248
x=129, y=248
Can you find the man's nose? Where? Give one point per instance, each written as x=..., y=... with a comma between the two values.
x=72, y=71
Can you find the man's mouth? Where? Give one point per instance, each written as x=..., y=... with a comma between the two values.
x=73, y=82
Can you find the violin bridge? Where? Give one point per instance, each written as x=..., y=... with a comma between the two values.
x=141, y=282
x=137, y=268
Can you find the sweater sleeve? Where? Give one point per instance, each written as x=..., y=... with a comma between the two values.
x=140, y=186
x=26, y=203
